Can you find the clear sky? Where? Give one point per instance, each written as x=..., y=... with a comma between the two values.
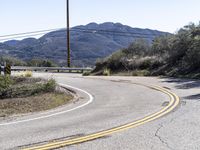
x=31, y=15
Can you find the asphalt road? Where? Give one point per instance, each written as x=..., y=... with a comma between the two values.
x=116, y=101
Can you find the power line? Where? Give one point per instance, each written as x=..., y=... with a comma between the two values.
x=91, y=31
x=17, y=37
x=49, y=30
x=27, y=34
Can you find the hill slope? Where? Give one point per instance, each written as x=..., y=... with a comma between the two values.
x=88, y=43
x=172, y=55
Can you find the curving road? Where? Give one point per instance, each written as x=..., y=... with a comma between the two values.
x=104, y=103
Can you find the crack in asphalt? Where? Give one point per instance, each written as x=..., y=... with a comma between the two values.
x=161, y=139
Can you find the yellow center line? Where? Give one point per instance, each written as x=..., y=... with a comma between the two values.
x=174, y=101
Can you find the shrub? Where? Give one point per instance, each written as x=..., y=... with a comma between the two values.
x=141, y=73
x=5, y=82
x=172, y=55
x=86, y=73
x=41, y=63
x=27, y=89
x=50, y=86
x=12, y=61
x=27, y=74
x=106, y=72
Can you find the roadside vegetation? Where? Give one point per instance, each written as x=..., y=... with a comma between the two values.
x=27, y=74
x=12, y=61
x=86, y=73
x=26, y=94
x=32, y=63
x=175, y=55
x=41, y=63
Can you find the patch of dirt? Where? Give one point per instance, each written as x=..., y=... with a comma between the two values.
x=34, y=103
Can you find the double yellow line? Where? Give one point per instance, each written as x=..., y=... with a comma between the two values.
x=173, y=103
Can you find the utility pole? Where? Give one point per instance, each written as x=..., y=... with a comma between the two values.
x=68, y=36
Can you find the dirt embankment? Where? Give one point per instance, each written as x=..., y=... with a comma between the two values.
x=25, y=95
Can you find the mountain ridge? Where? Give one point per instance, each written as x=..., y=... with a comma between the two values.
x=88, y=42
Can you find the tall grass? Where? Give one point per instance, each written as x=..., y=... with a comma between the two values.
x=27, y=74
x=25, y=89
x=106, y=72
x=5, y=82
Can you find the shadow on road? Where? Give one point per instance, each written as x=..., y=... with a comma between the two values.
x=183, y=83
x=193, y=97
x=186, y=84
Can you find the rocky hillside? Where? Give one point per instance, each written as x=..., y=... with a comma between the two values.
x=88, y=43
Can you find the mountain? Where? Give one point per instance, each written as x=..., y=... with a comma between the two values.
x=88, y=43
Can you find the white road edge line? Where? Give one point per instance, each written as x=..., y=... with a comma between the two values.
x=91, y=98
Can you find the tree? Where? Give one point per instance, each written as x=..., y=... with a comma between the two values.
x=161, y=45
x=12, y=61
x=41, y=63
x=139, y=47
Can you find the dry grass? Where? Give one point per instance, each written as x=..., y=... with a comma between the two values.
x=27, y=74
x=106, y=72
x=19, y=95
x=37, y=103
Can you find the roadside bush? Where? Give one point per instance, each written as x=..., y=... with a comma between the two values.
x=106, y=72
x=27, y=74
x=41, y=63
x=28, y=89
x=12, y=61
x=5, y=82
x=50, y=86
x=114, y=62
x=140, y=73
x=174, y=55
x=99, y=65
x=86, y=73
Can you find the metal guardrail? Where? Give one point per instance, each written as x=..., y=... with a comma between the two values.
x=46, y=69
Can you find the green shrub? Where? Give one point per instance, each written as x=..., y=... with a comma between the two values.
x=50, y=86
x=5, y=82
x=106, y=72
x=27, y=89
x=171, y=54
x=86, y=73
x=41, y=63
x=12, y=61
x=141, y=73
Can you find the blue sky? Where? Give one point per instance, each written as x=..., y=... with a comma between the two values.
x=31, y=15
